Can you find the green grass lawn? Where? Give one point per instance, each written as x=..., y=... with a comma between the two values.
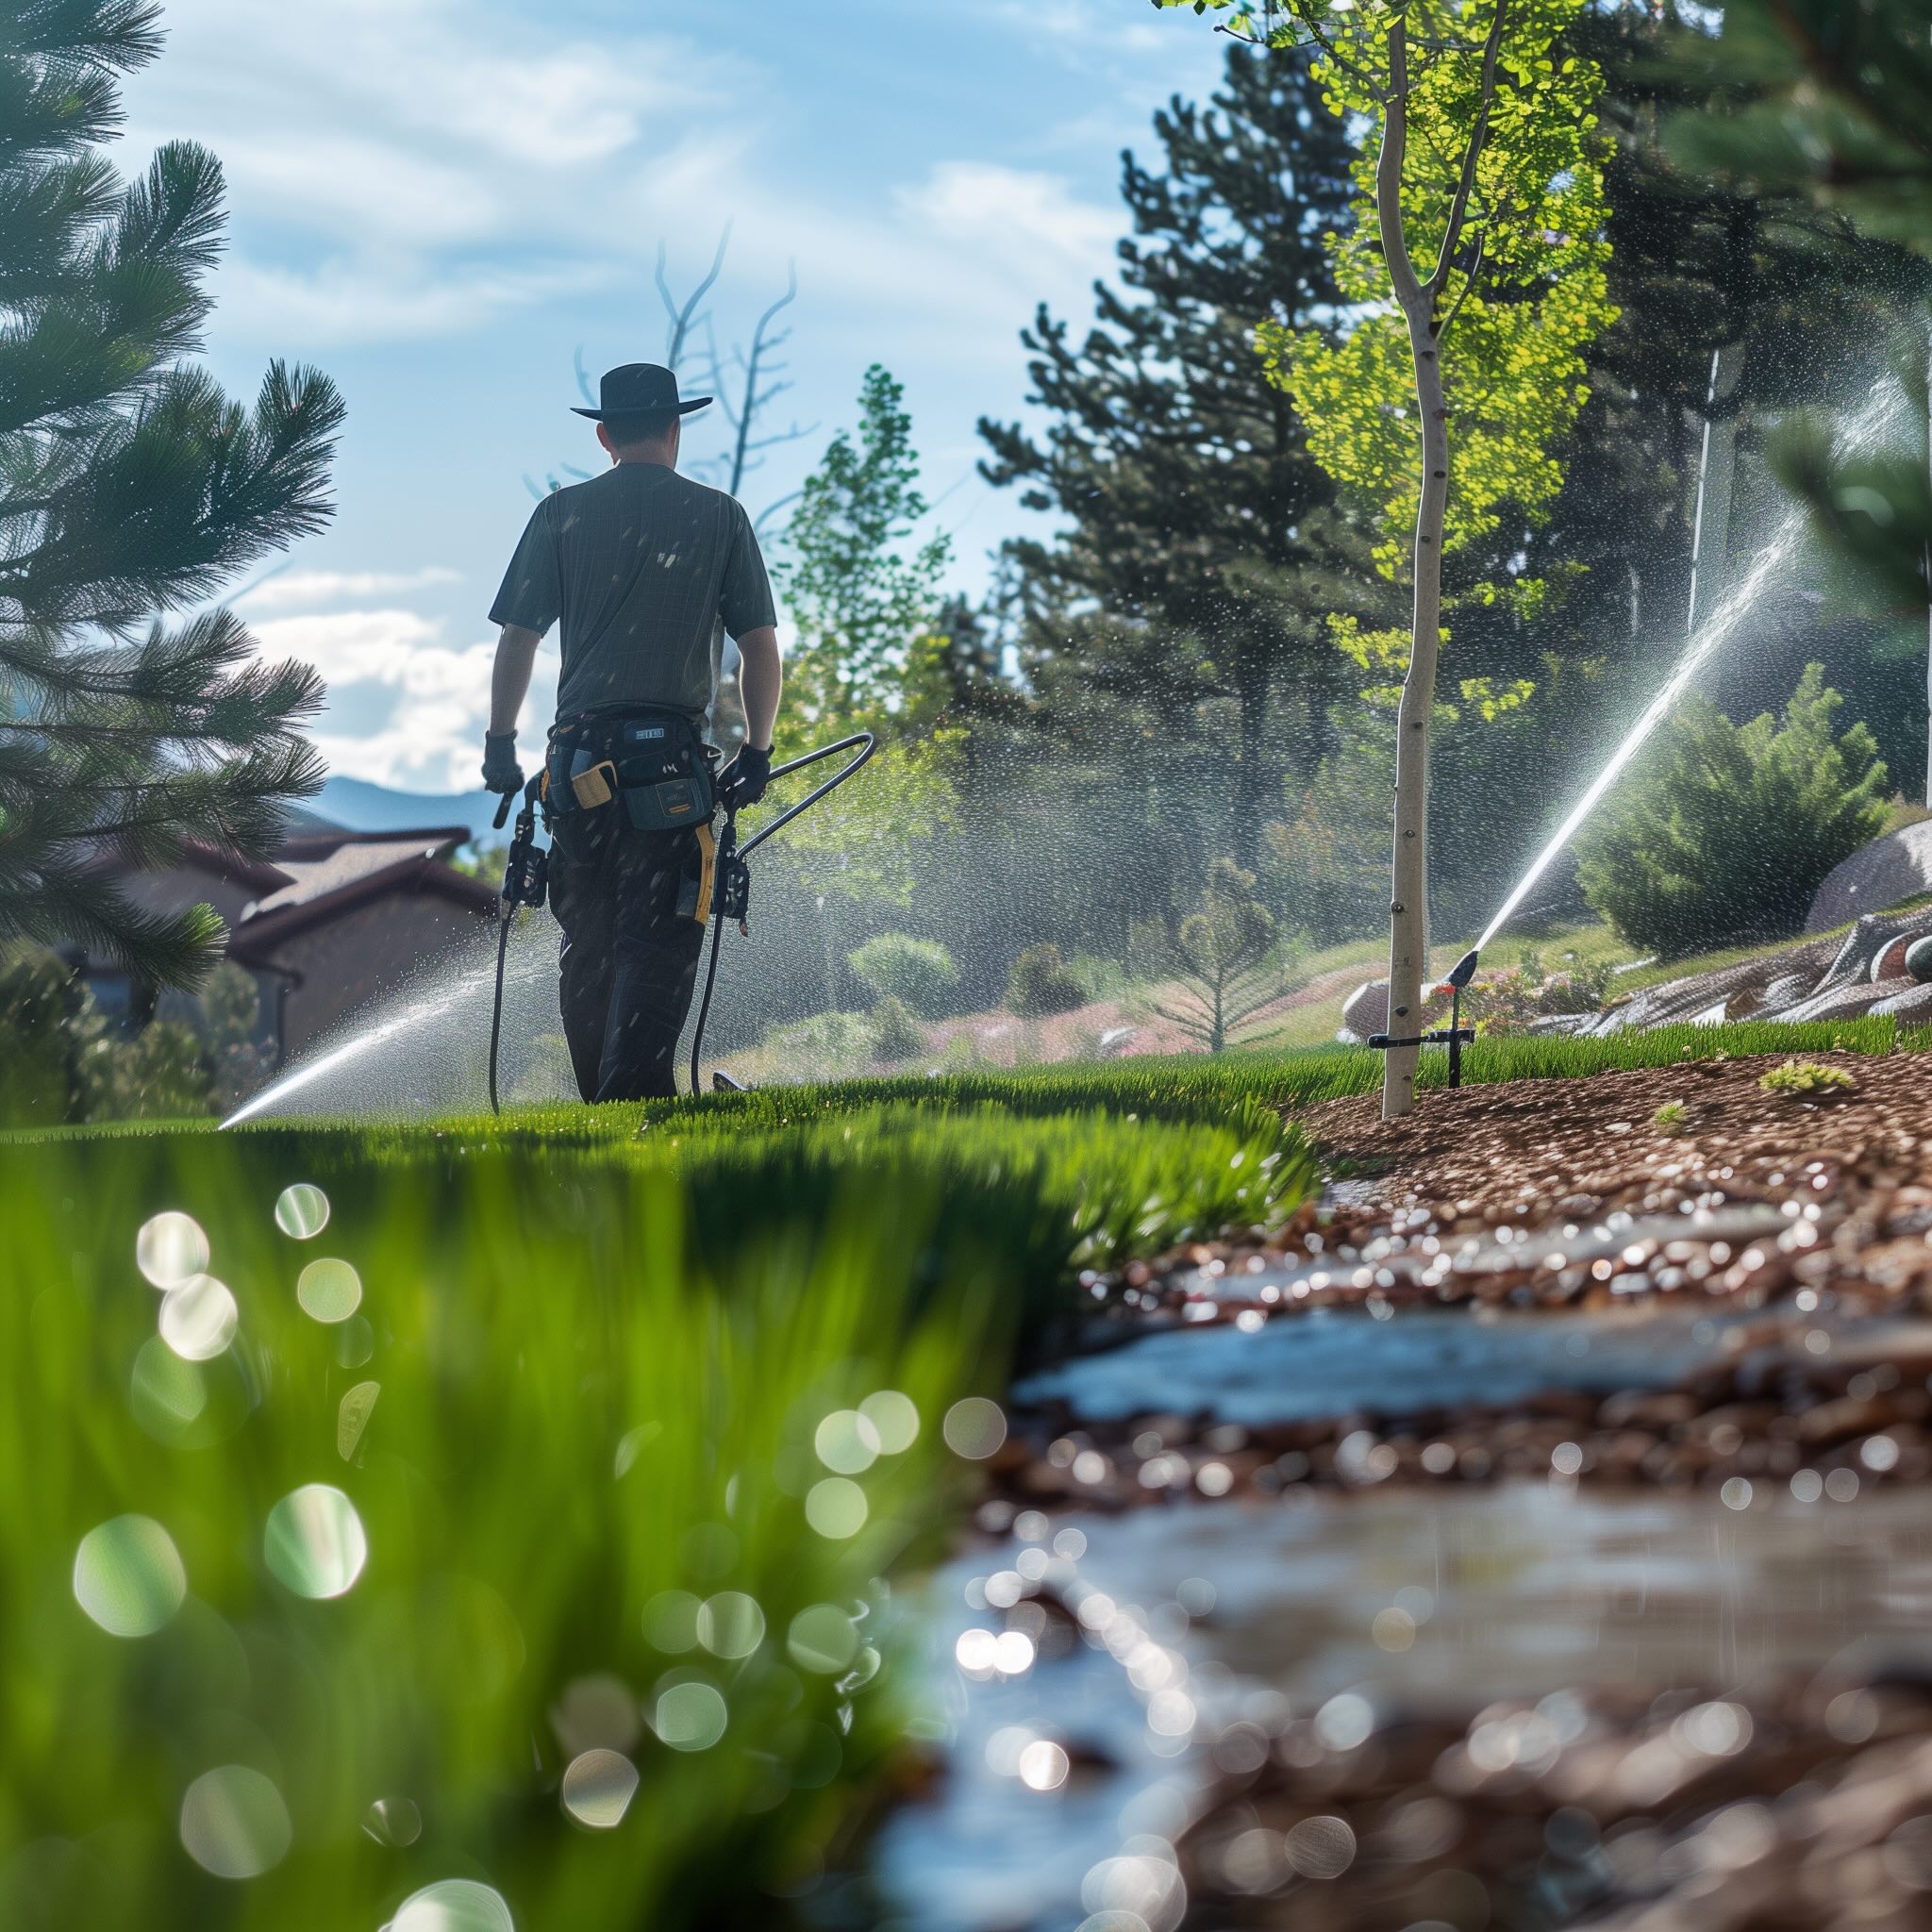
x=533, y=1524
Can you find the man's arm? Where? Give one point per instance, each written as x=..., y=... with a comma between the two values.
x=509, y=677
x=761, y=679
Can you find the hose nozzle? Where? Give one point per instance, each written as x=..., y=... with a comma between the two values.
x=1463, y=970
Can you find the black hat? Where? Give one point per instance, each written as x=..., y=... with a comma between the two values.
x=638, y=389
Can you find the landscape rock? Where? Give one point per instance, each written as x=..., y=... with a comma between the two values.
x=1893, y=868
x=1366, y=1009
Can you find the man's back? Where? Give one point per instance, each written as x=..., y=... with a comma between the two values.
x=641, y=566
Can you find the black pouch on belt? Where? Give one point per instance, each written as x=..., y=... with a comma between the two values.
x=663, y=775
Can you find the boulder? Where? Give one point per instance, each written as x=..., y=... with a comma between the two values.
x=1890, y=870
x=1366, y=1009
x=1834, y=1002
x=1914, y=1003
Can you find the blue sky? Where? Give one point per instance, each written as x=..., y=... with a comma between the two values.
x=440, y=201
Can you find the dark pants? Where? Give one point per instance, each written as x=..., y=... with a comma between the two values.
x=630, y=958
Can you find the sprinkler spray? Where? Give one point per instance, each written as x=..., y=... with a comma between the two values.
x=1455, y=1033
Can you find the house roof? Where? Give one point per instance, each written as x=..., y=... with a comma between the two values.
x=324, y=875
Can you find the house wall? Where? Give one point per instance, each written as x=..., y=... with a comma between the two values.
x=366, y=952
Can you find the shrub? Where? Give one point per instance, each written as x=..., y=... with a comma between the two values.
x=1042, y=982
x=826, y=1046
x=1732, y=829
x=894, y=1034
x=1671, y=1119
x=1808, y=1080
x=918, y=972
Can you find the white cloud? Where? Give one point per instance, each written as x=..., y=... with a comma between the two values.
x=406, y=708
x=1028, y=223
x=286, y=587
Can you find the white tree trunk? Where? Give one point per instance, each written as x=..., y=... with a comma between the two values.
x=1409, y=910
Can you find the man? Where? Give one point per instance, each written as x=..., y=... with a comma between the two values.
x=641, y=566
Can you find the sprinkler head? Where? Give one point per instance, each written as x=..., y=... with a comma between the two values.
x=1463, y=970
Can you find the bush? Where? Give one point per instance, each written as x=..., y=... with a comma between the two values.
x=895, y=1034
x=1730, y=831
x=825, y=1047
x=1808, y=1080
x=918, y=972
x=41, y=1010
x=1042, y=982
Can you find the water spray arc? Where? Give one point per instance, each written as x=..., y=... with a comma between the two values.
x=1710, y=638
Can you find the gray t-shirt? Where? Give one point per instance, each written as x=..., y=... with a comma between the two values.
x=643, y=567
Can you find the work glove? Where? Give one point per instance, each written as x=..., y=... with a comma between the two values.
x=744, y=780
x=501, y=772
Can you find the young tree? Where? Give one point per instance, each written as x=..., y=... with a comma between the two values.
x=129, y=484
x=1220, y=957
x=1476, y=269
x=1196, y=517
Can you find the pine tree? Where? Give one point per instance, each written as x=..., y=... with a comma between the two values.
x=1199, y=523
x=130, y=485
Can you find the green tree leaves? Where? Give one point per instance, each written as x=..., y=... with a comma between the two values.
x=129, y=484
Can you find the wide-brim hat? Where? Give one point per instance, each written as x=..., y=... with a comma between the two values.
x=638, y=389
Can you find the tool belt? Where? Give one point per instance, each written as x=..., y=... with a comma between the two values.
x=653, y=764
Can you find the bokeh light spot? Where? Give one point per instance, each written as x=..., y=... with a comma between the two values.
x=352, y=1417
x=690, y=1716
x=234, y=1823
x=1320, y=1847
x=199, y=1318
x=822, y=1638
x=975, y=1428
x=315, y=1545
x=128, y=1577
x=1044, y=1765
x=894, y=1418
x=730, y=1624
x=302, y=1211
x=355, y=1342
x=454, y=1904
x=846, y=1442
x=165, y=1394
x=598, y=1786
x=671, y=1621
x=836, y=1508
x=171, y=1249
x=329, y=1291
x=393, y=1822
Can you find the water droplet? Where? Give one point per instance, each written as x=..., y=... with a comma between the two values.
x=171, y=1249
x=975, y=1428
x=199, y=1318
x=597, y=1712
x=846, y=1442
x=393, y=1822
x=352, y=1417
x=730, y=1624
x=315, y=1545
x=823, y=1638
x=328, y=1291
x=598, y=1787
x=894, y=1418
x=128, y=1575
x=454, y=1904
x=690, y=1716
x=836, y=1508
x=302, y=1211
x=234, y=1823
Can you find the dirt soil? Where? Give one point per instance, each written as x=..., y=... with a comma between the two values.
x=1523, y=1150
